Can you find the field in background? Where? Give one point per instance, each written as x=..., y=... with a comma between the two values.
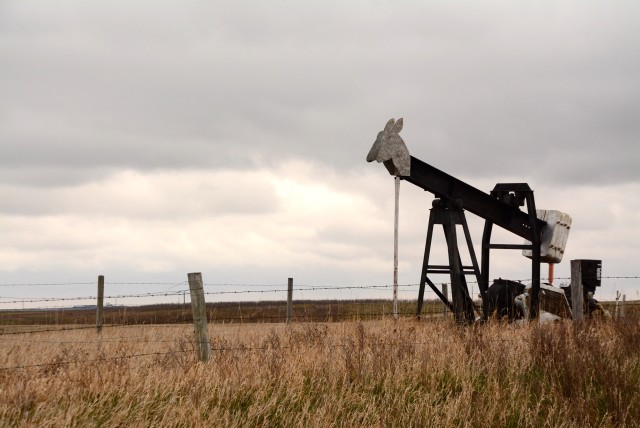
x=370, y=373
x=223, y=312
x=237, y=312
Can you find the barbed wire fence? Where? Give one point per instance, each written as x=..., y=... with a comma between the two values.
x=18, y=325
x=259, y=302
x=229, y=293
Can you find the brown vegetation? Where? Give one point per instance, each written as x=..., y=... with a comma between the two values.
x=219, y=312
x=376, y=373
x=236, y=312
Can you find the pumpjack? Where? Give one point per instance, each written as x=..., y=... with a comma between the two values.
x=545, y=232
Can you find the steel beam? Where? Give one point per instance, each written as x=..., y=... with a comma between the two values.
x=474, y=200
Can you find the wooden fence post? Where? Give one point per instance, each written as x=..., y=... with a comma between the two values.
x=289, y=300
x=445, y=293
x=622, y=307
x=199, y=310
x=577, y=298
x=100, y=304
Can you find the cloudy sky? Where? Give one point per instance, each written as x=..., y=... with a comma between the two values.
x=146, y=140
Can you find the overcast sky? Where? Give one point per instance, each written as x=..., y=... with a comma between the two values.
x=146, y=140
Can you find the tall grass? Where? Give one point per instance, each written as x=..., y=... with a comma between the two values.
x=376, y=373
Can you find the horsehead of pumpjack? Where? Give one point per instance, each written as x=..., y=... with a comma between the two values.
x=391, y=150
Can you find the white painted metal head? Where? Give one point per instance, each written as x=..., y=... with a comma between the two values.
x=390, y=149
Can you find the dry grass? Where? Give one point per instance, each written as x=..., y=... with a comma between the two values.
x=377, y=373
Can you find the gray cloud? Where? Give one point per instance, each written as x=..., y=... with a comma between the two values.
x=155, y=196
x=494, y=91
x=237, y=83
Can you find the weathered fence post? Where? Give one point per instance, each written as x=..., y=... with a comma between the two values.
x=199, y=310
x=622, y=306
x=445, y=293
x=289, y=300
x=577, y=299
x=100, y=304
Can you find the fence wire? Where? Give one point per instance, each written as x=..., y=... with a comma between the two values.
x=305, y=309
x=257, y=289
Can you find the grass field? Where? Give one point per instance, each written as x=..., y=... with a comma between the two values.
x=221, y=312
x=237, y=312
x=372, y=373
